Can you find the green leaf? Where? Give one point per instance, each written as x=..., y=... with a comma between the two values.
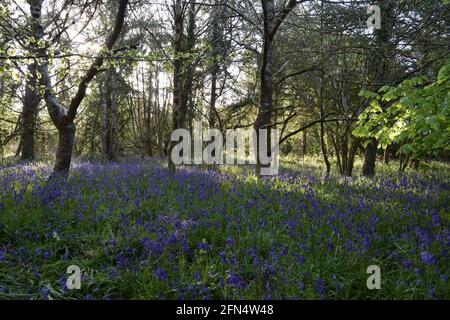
x=385, y=88
x=406, y=102
x=375, y=106
x=361, y=131
x=434, y=123
x=408, y=148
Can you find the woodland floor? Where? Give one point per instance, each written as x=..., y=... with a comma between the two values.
x=140, y=232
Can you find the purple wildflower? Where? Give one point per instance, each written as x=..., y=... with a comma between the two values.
x=321, y=287
x=45, y=292
x=2, y=255
x=161, y=274
x=428, y=258
x=236, y=281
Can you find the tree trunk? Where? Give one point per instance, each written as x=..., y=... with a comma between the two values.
x=404, y=160
x=386, y=156
x=216, y=44
x=188, y=72
x=109, y=113
x=66, y=139
x=159, y=115
x=266, y=88
x=304, y=145
x=351, y=159
x=104, y=117
x=272, y=22
x=29, y=114
x=266, y=99
x=212, y=110
x=113, y=128
x=380, y=71
x=92, y=137
x=177, y=81
x=370, y=158
x=337, y=150
x=322, y=106
x=322, y=132
x=415, y=164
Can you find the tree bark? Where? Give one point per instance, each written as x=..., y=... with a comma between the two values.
x=216, y=41
x=370, y=157
x=109, y=114
x=112, y=152
x=323, y=143
x=266, y=89
x=351, y=159
x=177, y=118
x=386, y=156
x=66, y=140
x=29, y=114
x=305, y=143
x=272, y=22
x=322, y=106
x=188, y=71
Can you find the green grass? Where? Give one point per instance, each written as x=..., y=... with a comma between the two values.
x=139, y=232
